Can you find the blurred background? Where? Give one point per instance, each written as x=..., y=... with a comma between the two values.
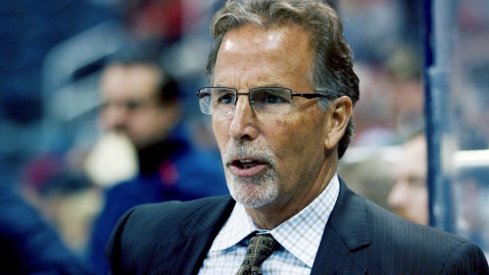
x=423, y=68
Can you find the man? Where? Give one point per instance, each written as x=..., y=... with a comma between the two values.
x=409, y=195
x=280, y=148
x=65, y=198
x=28, y=244
x=141, y=101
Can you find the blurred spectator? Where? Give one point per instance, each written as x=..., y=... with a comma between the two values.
x=27, y=244
x=153, y=19
x=409, y=195
x=392, y=94
x=384, y=37
x=142, y=102
x=357, y=166
x=471, y=187
x=392, y=97
x=65, y=197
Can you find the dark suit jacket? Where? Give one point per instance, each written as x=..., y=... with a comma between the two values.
x=360, y=238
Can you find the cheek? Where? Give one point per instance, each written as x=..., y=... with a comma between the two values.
x=165, y=118
x=220, y=129
x=151, y=123
x=297, y=131
x=142, y=123
x=148, y=119
x=285, y=138
x=299, y=139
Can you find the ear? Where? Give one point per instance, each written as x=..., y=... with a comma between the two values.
x=338, y=114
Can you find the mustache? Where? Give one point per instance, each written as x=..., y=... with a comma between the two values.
x=248, y=151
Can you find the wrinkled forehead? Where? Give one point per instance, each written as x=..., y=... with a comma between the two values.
x=263, y=54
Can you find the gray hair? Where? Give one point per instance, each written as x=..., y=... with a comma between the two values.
x=332, y=69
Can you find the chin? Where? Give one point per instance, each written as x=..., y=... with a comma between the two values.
x=252, y=195
x=251, y=202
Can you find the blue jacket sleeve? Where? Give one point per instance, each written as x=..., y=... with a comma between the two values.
x=28, y=244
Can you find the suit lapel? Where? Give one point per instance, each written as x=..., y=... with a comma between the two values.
x=345, y=236
x=186, y=253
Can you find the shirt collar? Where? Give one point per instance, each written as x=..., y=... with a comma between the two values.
x=300, y=235
x=238, y=226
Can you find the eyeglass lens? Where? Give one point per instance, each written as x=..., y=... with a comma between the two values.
x=220, y=101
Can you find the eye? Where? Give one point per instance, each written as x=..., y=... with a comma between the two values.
x=271, y=96
x=203, y=95
x=133, y=105
x=224, y=97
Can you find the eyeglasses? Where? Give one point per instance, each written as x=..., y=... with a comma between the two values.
x=269, y=100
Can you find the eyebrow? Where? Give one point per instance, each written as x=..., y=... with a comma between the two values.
x=274, y=84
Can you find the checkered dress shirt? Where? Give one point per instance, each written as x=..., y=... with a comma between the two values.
x=299, y=238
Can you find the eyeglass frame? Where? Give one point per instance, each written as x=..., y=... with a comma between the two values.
x=292, y=94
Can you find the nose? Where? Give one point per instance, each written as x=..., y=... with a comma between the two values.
x=113, y=117
x=243, y=124
x=397, y=195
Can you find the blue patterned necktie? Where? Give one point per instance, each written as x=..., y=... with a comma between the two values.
x=260, y=247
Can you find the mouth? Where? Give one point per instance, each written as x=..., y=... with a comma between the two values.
x=247, y=167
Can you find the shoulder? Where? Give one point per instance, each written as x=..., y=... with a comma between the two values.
x=153, y=219
x=383, y=226
x=386, y=223
x=201, y=172
x=124, y=195
x=386, y=227
x=178, y=210
x=201, y=161
x=125, y=187
x=143, y=230
x=423, y=247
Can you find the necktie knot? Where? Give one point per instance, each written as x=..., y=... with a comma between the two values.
x=260, y=247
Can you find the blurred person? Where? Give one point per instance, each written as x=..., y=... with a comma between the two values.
x=471, y=194
x=142, y=102
x=28, y=245
x=409, y=196
x=356, y=168
x=281, y=102
x=65, y=197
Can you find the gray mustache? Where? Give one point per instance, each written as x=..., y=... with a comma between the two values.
x=241, y=151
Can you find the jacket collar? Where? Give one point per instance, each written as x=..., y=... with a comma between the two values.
x=347, y=232
x=198, y=230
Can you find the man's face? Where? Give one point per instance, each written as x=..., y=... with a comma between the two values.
x=269, y=160
x=131, y=104
x=409, y=195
